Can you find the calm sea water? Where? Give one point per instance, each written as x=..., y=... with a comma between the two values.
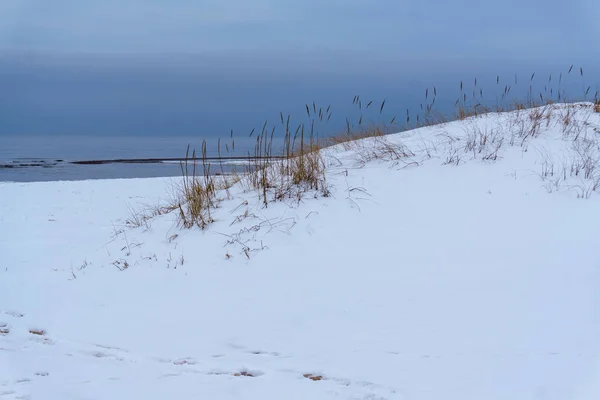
x=55, y=153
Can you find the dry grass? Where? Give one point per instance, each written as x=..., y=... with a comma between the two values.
x=346, y=138
x=484, y=143
x=244, y=373
x=139, y=218
x=298, y=167
x=312, y=377
x=198, y=192
x=291, y=172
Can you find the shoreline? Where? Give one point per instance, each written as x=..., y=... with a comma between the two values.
x=162, y=160
x=52, y=170
x=29, y=163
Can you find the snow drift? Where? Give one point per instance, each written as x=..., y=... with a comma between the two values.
x=464, y=266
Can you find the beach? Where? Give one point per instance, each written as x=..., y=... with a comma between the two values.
x=415, y=277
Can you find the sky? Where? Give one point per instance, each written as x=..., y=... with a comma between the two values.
x=186, y=67
x=435, y=28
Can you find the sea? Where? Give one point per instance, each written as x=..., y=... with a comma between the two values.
x=57, y=158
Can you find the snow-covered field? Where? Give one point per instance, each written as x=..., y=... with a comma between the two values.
x=417, y=279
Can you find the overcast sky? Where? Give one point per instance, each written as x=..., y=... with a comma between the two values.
x=377, y=43
x=433, y=28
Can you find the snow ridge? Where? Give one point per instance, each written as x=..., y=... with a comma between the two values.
x=456, y=261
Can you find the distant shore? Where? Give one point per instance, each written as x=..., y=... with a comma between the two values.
x=161, y=160
x=48, y=163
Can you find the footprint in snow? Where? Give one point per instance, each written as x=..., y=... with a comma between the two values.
x=248, y=373
x=37, y=331
x=111, y=348
x=265, y=353
x=14, y=314
x=101, y=354
x=185, y=361
x=373, y=391
x=243, y=373
x=316, y=377
x=172, y=375
x=39, y=335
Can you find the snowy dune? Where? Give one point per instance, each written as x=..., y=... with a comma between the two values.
x=452, y=274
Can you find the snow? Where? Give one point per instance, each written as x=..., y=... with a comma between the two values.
x=429, y=281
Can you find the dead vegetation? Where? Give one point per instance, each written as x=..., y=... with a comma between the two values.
x=141, y=218
x=198, y=193
x=244, y=373
x=289, y=161
x=314, y=378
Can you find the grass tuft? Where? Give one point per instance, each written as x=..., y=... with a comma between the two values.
x=198, y=192
x=294, y=165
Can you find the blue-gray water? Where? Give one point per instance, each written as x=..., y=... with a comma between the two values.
x=52, y=155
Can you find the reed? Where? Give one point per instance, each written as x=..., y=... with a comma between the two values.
x=287, y=160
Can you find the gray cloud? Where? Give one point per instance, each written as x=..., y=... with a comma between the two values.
x=156, y=66
x=427, y=29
